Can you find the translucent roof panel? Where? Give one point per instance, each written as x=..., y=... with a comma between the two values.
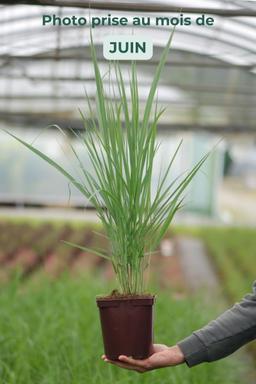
x=209, y=79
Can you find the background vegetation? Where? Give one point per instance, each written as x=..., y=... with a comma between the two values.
x=49, y=324
x=50, y=333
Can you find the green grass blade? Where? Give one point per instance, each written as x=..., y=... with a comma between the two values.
x=82, y=248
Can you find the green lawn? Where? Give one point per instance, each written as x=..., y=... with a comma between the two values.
x=50, y=334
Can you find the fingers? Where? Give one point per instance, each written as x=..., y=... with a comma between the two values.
x=126, y=366
x=136, y=363
x=123, y=365
x=127, y=360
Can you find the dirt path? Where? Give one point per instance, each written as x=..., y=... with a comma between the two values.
x=195, y=264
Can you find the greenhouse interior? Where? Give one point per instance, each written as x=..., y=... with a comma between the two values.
x=49, y=95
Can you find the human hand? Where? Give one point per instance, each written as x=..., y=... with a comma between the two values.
x=160, y=356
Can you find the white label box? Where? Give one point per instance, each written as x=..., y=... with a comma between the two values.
x=127, y=48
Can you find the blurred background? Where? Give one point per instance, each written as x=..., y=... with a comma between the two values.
x=209, y=88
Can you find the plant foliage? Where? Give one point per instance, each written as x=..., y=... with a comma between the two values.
x=122, y=148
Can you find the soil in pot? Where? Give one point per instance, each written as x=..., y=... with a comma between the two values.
x=127, y=325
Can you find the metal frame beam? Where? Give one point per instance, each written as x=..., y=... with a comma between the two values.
x=184, y=87
x=137, y=7
x=27, y=97
x=52, y=57
x=39, y=120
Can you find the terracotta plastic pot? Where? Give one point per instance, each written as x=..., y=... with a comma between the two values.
x=127, y=326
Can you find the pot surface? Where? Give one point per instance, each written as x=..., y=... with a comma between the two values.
x=127, y=326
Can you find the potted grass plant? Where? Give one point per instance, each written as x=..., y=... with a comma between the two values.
x=121, y=144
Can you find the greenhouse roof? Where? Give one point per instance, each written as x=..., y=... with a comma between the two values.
x=209, y=80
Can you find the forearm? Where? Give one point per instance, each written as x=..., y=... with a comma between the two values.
x=223, y=336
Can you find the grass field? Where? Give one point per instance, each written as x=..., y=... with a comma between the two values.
x=50, y=334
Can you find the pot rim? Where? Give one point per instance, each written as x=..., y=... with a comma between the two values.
x=128, y=301
x=125, y=298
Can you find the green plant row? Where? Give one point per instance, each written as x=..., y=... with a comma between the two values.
x=26, y=247
x=233, y=250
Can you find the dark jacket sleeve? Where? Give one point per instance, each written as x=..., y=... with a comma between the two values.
x=223, y=336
